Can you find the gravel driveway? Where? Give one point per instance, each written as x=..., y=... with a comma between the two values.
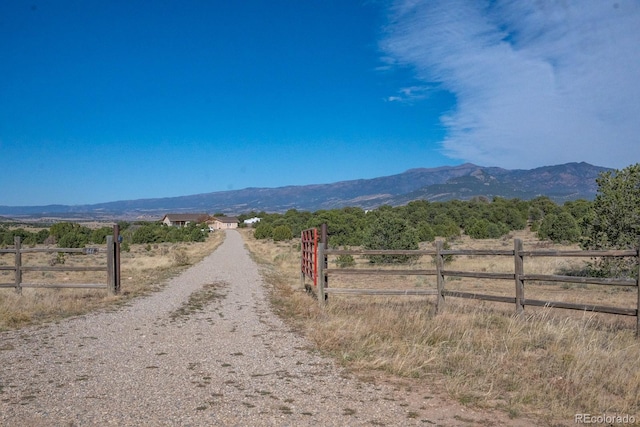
x=167, y=360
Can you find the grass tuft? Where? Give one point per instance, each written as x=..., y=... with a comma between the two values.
x=199, y=300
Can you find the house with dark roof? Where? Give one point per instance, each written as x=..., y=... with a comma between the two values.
x=182, y=220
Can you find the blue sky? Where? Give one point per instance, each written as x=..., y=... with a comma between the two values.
x=116, y=100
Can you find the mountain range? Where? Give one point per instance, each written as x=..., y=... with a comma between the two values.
x=560, y=183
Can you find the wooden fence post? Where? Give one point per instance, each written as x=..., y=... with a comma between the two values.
x=111, y=272
x=638, y=288
x=324, y=259
x=439, y=276
x=18, y=276
x=302, y=249
x=321, y=274
x=518, y=273
x=116, y=258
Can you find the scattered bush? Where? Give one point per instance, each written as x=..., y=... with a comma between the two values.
x=263, y=231
x=483, y=229
x=73, y=239
x=426, y=233
x=58, y=259
x=99, y=236
x=282, y=232
x=180, y=257
x=345, y=261
x=447, y=228
x=559, y=228
x=390, y=232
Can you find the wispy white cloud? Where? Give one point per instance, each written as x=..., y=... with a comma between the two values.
x=410, y=94
x=536, y=83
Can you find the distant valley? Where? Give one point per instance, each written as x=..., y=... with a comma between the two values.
x=560, y=183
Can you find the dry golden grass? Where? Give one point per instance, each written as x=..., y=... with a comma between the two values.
x=549, y=364
x=145, y=268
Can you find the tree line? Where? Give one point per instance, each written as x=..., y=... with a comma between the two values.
x=479, y=218
x=75, y=235
x=610, y=221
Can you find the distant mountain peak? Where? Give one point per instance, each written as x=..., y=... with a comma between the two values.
x=463, y=166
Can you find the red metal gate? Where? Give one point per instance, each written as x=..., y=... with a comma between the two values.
x=309, y=247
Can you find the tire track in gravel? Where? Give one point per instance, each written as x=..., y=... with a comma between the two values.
x=221, y=359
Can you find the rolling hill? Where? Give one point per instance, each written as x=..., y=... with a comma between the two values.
x=560, y=183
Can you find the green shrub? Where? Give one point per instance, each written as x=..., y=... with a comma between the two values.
x=345, y=261
x=147, y=233
x=426, y=233
x=559, y=228
x=282, y=232
x=390, y=232
x=59, y=259
x=447, y=229
x=99, y=236
x=41, y=236
x=484, y=229
x=73, y=240
x=263, y=231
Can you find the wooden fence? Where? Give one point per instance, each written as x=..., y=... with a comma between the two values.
x=519, y=277
x=112, y=269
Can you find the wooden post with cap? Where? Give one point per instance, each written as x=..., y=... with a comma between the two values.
x=116, y=258
x=18, y=276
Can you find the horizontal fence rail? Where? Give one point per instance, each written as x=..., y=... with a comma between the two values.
x=112, y=268
x=518, y=276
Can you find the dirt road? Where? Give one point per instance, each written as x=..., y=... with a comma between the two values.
x=205, y=351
